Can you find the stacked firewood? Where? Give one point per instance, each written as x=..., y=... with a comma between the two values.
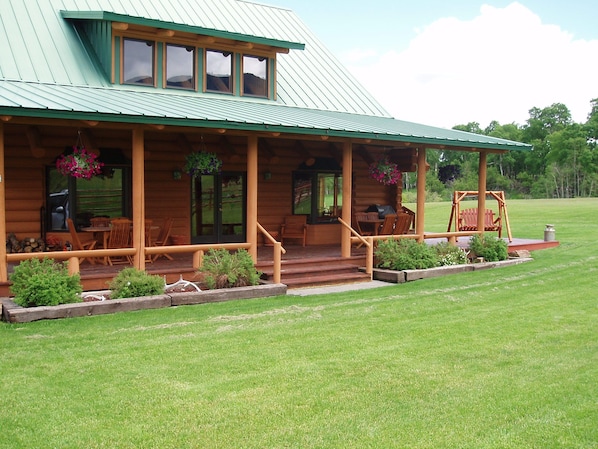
x=27, y=245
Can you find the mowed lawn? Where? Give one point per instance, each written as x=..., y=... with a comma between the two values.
x=502, y=358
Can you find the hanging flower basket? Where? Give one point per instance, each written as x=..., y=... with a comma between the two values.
x=202, y=163
x=79, y=164
x=385, y=171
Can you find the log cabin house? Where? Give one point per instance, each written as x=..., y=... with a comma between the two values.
x=143, y=84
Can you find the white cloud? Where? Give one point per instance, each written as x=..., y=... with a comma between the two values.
x=495, y=67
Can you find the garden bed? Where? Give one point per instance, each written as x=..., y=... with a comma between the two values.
x=402, y=276
x=13, y=313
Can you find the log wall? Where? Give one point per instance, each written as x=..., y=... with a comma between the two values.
x=29, y=149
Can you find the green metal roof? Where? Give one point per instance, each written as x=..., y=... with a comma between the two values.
x=181, y=109
x=45, y=71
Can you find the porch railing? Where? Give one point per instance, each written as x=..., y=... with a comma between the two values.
x=369, y=241
x=73, y=256
x=278, y=251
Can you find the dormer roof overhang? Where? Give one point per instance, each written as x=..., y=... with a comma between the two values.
x=283, y=45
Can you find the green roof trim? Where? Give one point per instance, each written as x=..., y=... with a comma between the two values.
x=115, y=17
x=141, y=106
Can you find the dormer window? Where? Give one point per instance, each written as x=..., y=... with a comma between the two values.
x=180, y=67
x=255, y=76
x=138, y=62
x=219, y=70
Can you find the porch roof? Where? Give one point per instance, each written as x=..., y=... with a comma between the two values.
x=138, y=106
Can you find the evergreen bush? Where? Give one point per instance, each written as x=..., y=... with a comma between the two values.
x=405, y=254
x=224, y=269
x=44, y=282
x=489, y=247
x=132, y=283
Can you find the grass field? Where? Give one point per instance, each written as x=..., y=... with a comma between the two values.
x=504, y=358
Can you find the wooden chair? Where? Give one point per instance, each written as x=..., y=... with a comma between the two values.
x=294, y=227
x=162, y=239
x=360, y=217
x=365, y=217
x=120, y=237
x=99, y=222
x=403, y=224
x=389, y=224
x=78, y=245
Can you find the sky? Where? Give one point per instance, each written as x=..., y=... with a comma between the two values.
x=447, y=63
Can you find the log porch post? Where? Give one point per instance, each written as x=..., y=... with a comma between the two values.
x=3, y=263
x=482, y=170
x=421, y=193
x=347, y=201
x=252, y=181
x=138, y=198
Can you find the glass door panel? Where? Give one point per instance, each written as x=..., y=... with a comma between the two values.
x=218, y=208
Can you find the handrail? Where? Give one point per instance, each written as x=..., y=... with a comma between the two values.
x=278, y=251
x=353, y=231
x=368, y=242
x=266, y=234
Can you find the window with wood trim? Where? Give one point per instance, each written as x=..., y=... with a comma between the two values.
x=219, y=71
x=180, y=67
x=318, y=195
x=138, y=62
x=255, y=76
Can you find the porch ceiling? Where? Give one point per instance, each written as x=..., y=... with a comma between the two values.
x=138, y=106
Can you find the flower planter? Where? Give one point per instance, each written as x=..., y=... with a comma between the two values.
x=16, y=314
x=401, y=276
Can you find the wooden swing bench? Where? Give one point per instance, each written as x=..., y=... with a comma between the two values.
x=468, y=220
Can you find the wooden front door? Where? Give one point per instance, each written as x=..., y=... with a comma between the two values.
x=218, y=208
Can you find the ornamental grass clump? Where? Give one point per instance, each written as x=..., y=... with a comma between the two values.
x=405, y=254
x=489, y=247
x=132, y=283
x=224, y=269
x=44, y=283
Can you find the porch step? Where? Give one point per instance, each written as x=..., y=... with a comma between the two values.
x=314, y=272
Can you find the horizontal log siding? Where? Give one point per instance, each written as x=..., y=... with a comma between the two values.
x=27, y=153
x=24, y=184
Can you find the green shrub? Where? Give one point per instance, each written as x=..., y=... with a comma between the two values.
x=44, y=282
x=449, y=254
x=131, y=283
x=224, y=269
x=405, y=254
x=489, y=247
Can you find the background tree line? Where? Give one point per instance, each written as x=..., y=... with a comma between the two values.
x=562, y=164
